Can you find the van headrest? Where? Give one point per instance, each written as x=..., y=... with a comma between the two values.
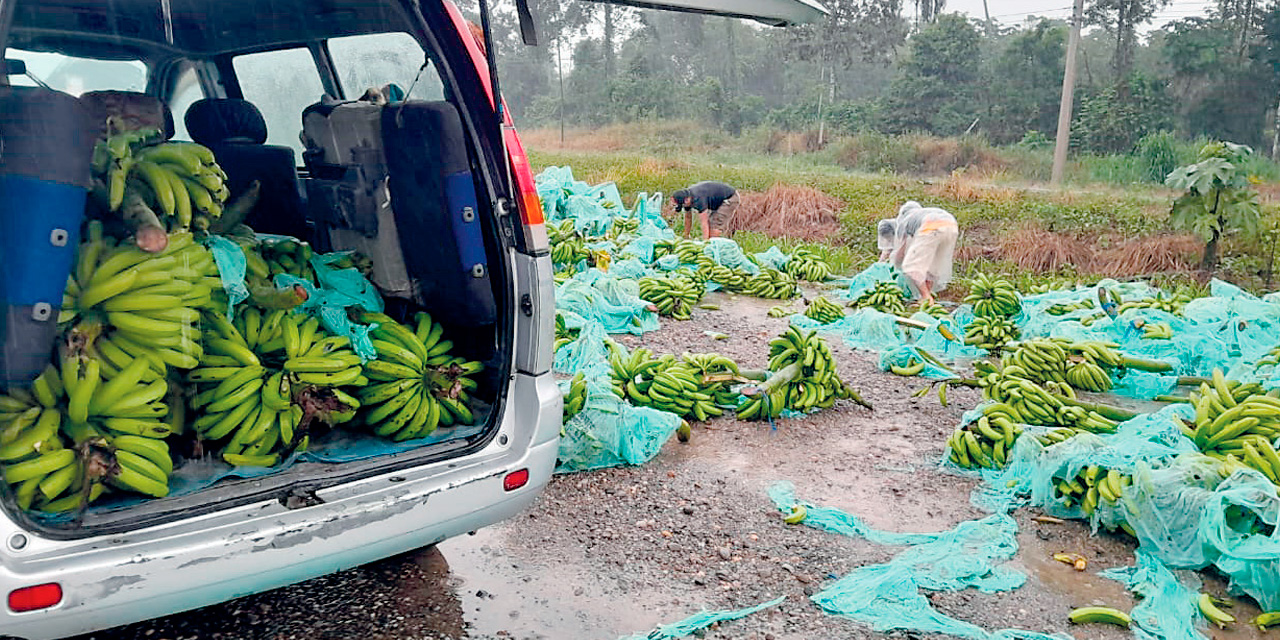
x=214, y=120
x=130, y=109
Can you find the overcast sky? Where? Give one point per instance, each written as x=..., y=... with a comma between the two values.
x=1014, y=11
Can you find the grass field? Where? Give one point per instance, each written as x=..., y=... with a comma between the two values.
x=1020, y=228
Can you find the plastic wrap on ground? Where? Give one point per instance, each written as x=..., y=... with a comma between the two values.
x=727, y=253
x=612, y=301
x=889, y=596
x=699, y=621
x=1167, y=607
x=772, y=258
x=865, y=329
x=873, y=275
x=907, y=354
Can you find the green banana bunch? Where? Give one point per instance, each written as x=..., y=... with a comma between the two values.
x=564, y=335
x=561, y=232
x=576, y=399
x=808, y=265
x=1088, y=376
x=1042, y=359
x=418, y=385
x=1173, y=304
x=778, y=312
x=570, y=251
x=674, y=295
x=671, y=384
x=735, y=280
x=772, y=284
x=985, y=442
x=1026, y=402
x=288, y=256
x=113, y=158
x=1237, y=422
x=688, y=251
x=933, y=308
x=141, y=303
x=885, y=297
x=76, y=429
x=179, y=181
x=993, y=296
x=815, y=385
x=1158, y=331
x=622, y=227
x=991, y=332
x=1063, y=308
x=1271, y=359
x=824, y=310
x=1091, y=487
x=264, y=379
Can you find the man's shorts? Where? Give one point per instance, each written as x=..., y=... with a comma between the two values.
x=719, y=219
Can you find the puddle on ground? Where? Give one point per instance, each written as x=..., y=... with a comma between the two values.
x=500, y=595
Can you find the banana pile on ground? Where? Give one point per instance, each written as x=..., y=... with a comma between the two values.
x=687, y=251
x=671, y=384
x=575, y=399
x=734, y=280
x=564, y=335
x=1173, y=304
x=570, y=251
x=417, y=384
x=992, y=296
x=772, y=284
x=807, y=265
x=991, y=332
x=985, y=442
x=1157, y=331
x=622, y=226
x=804, y=378
x=1030, y=403
x=1063, y=308
x=155, y=187
x=824, y=310
x=1237, y=422
x=674, y=295
x=1082, y=365
x=885, y=297
x=778, y=312
x=1092, y=487
x=557, y=233
x=79, y=429
x=1038, y=359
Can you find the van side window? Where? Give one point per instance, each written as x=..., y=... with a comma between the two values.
x=77, y=76
x=281, y=84
x=373, y=61
x=186, y=92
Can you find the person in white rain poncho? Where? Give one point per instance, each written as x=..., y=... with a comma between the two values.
x=924, y=245
x=885, y=237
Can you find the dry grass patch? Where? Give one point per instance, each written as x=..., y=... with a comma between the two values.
x=789, y=211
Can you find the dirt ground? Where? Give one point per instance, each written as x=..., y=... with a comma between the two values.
x=615, y=552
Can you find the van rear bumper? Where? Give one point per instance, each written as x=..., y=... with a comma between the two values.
x=110, y=581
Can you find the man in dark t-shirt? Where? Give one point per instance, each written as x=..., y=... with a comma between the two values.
x=715, y=203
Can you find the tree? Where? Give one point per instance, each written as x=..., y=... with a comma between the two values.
x=1025, y=79
x=1121, y=19
x=1218, y=198
x=935, y=89
x=1113, y=119
x=929, y=10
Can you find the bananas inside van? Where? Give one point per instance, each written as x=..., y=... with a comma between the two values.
x=274, y=300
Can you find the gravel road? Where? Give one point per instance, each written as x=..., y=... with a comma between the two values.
x=616, y=552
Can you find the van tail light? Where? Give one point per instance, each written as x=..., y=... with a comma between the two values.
x=530, y=205
x=41, y=596
x=515, y=480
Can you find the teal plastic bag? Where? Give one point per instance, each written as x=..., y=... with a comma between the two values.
x=232, y=268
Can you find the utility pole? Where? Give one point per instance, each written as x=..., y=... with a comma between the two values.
x=560, y=74
x=1068, y=97
x=987, y=12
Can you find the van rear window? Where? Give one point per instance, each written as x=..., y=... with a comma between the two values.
x=375, y=60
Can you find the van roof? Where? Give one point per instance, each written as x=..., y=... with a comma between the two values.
x=139, y=29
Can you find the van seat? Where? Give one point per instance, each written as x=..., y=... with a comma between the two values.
x=236, y=133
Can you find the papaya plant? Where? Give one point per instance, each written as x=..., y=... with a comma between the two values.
x=1218, y=198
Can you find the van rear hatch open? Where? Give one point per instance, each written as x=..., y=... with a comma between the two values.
x=357, y=321
x=771, y=12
